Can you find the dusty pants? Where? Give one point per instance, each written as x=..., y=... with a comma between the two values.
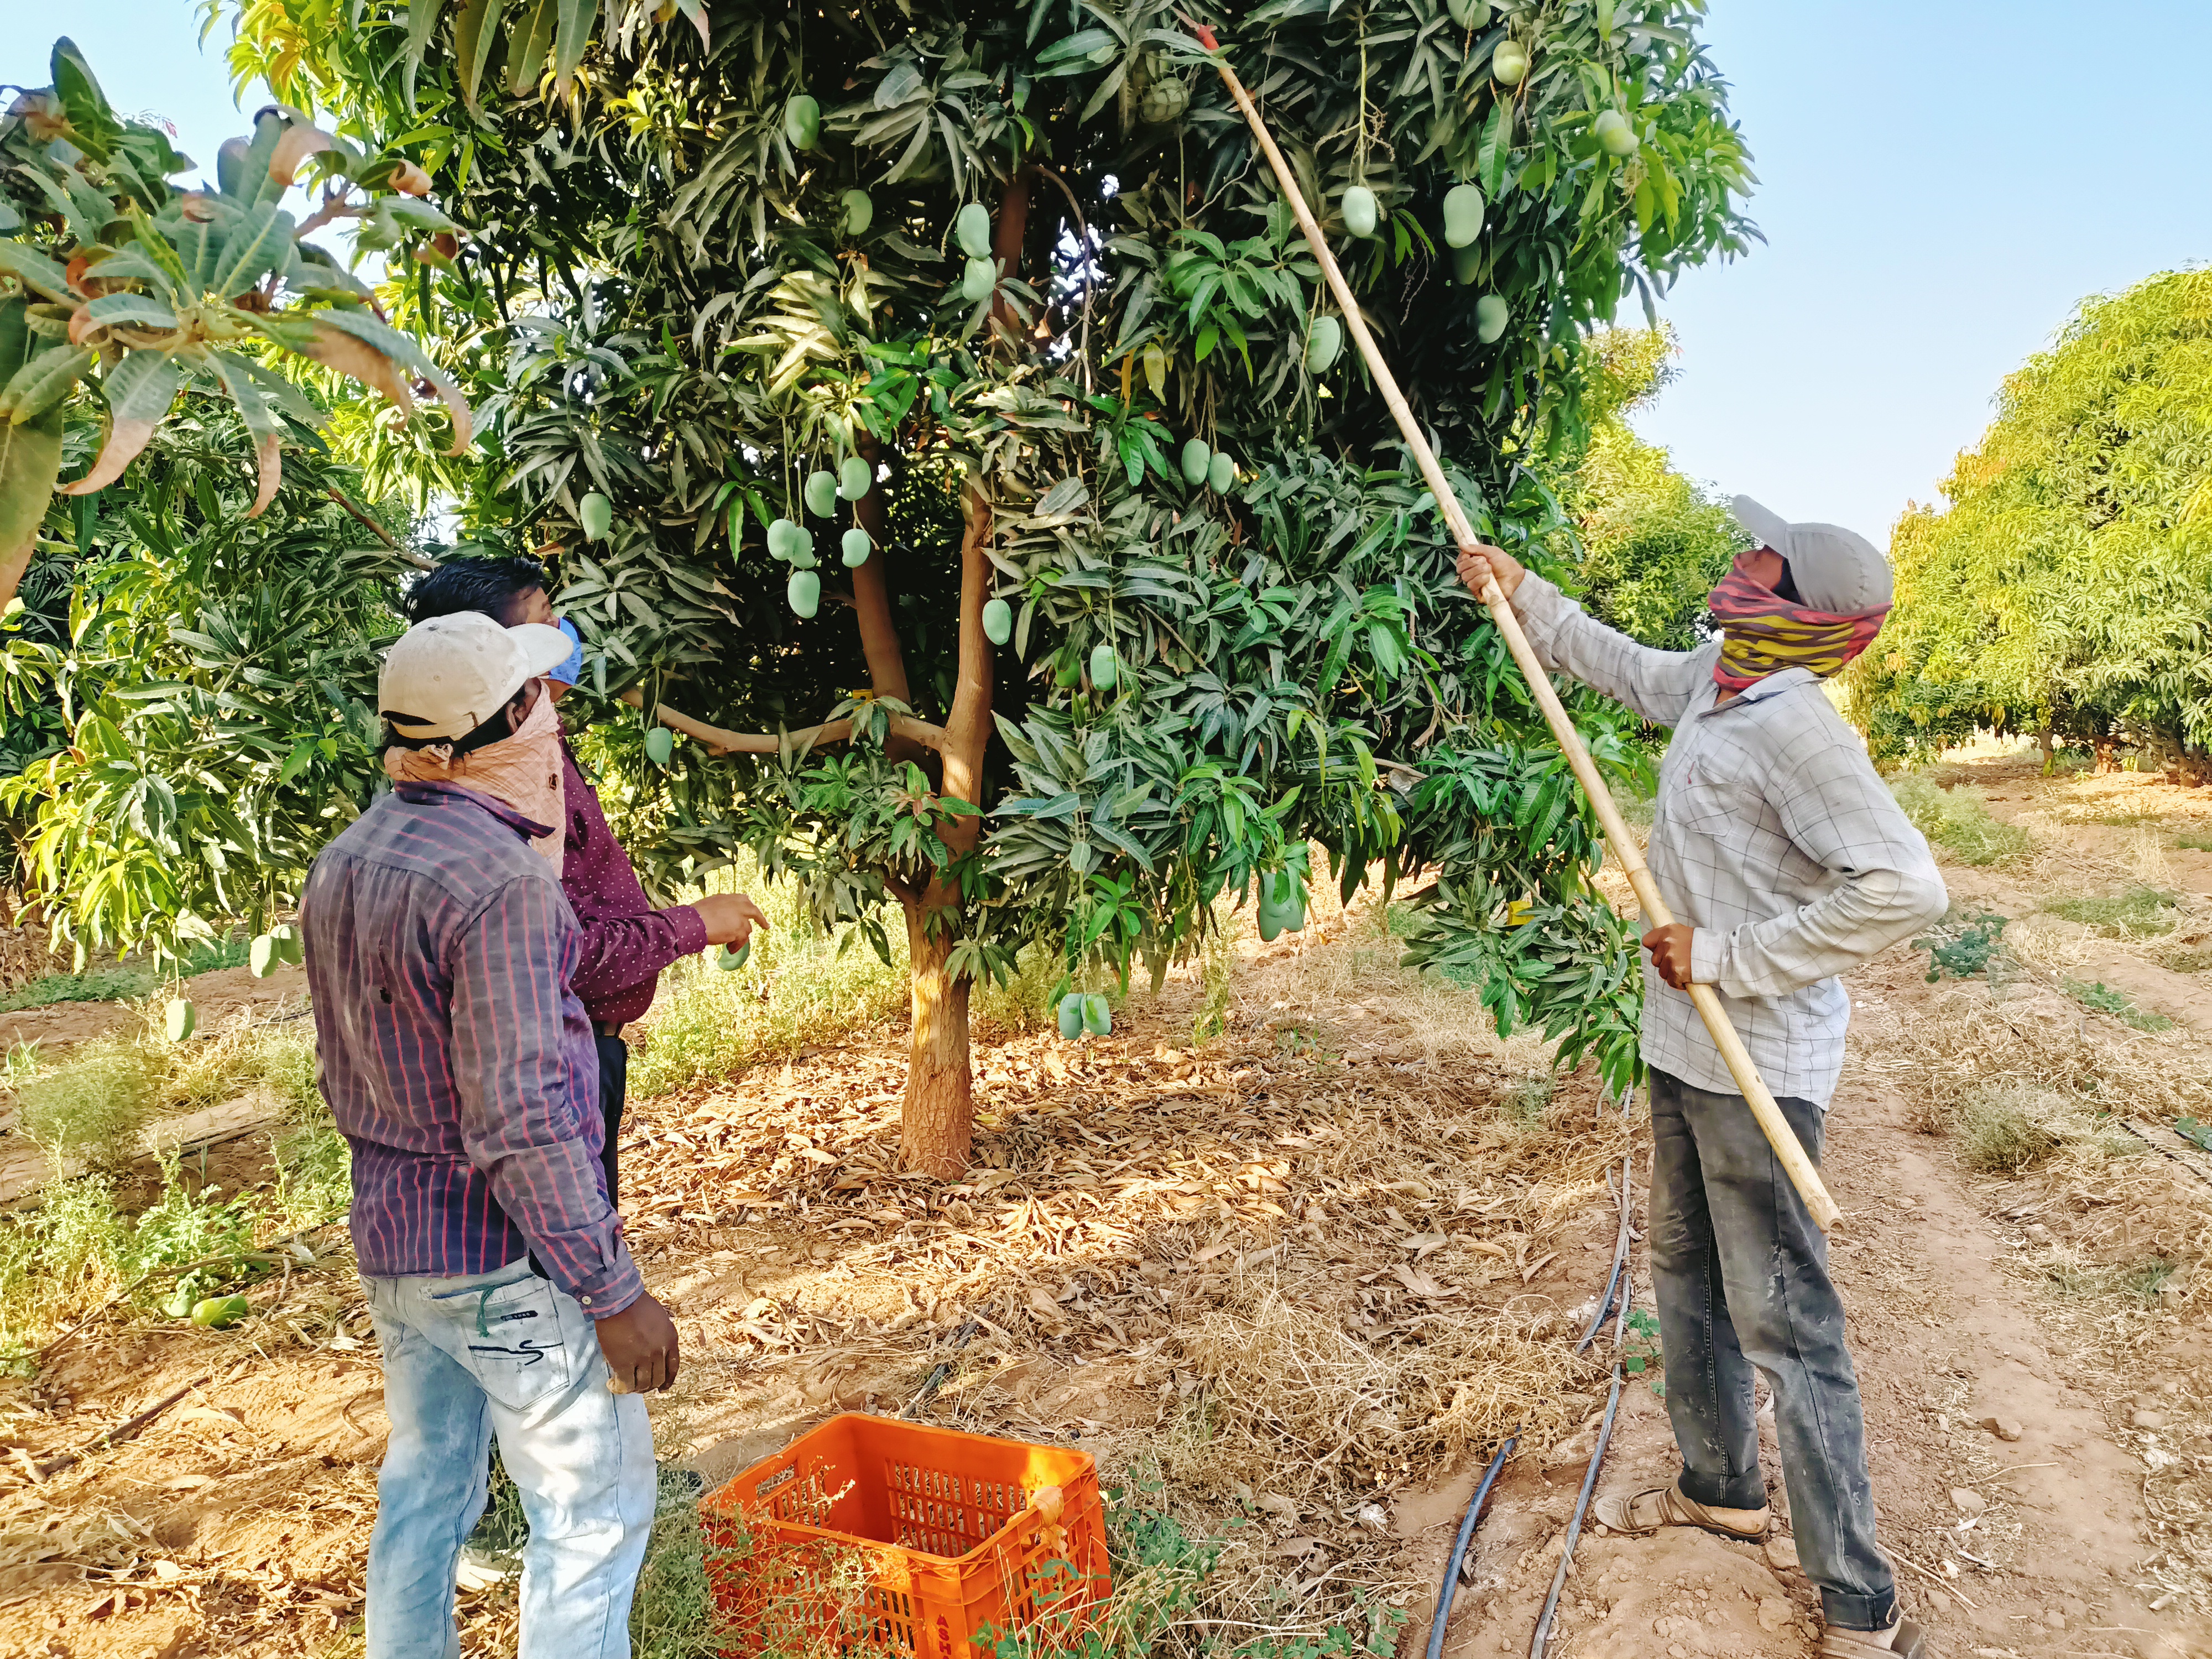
x=1741, y=1274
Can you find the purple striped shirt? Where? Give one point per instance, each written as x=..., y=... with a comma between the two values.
x=456, y=1058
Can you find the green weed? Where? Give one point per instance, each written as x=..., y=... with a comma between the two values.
x=124, y=982
x=2131, y=913
x=1962, y=944
x=2003, y=1132
x=1959, y=820
x=2197, y=840
x=91, y=1105
x=1642, y=1353
x=2118, y=1004
x=1526, y=1099
x=2190, y=1130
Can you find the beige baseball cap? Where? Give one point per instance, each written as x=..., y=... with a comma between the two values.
x=446, y=676
x=1837, y=570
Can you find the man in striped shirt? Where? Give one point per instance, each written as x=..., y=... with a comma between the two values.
x=460, y=1068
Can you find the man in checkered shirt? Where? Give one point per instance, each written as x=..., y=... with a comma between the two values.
x=1789, y=862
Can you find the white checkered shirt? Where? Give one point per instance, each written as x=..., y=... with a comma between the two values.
x=1771, y=836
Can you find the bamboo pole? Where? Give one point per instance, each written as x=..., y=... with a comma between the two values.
x=1803, y=1174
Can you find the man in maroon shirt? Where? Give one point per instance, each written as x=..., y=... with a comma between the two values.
x=626, y=942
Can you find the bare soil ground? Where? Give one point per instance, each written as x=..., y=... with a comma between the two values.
x=1305, y=1276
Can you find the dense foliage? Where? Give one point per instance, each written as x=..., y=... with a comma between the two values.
x=686, y=285
x=2066, y=589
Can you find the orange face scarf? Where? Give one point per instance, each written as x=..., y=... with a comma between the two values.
x=523, y=771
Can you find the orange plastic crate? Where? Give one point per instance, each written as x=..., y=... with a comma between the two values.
x=874, y=1535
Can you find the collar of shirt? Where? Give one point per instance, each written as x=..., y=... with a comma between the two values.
x=423, y=794
x=1787, y=679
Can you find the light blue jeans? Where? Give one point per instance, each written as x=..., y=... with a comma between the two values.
x=504, y=1353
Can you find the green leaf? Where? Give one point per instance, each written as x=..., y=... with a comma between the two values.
x=528, y=48
x=91, y=120
x=474, y=34
x=40, y=384
x=113, y=308
x=36, y=272
x=261, y=242
x=571, y=35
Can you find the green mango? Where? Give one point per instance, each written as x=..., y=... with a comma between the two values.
x=821, y=493
x=1323, y=343
x=1467, y=265
x=659, y=745
x=805, y=591
x=597, y=515
x=1491, y=313
x=1197, y=458
x=179, y=1305
x=261, y=957
x=784, y=538
x=290, y=947
x=1220, y=473
x=802, y=121
x=1463, y=206
x=1613, y=132
x=979, y=279
x=1069, y=674
x=1468, y=13
x=1097, y=1016
x=1509, y=63
x=998, y=621
x=972, y=230
x=1104, y=669
x=856, y=212
x=1071, y=1016
x=1359, y=210
x=855, y=478
x=856, y=548
x=731, y=961
x=217, y=1312
x=183, y=1018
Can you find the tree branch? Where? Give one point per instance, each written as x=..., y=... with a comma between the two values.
x=721, y=741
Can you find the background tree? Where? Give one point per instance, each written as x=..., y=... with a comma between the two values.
x=1648, y=544
x=1017, y=276
x=2066, y=590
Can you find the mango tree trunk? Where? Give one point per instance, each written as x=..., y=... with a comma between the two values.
x=935, y=1126
x=937, y=1122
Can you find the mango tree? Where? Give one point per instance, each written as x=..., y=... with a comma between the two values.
x=935, y=415
x=105, y=265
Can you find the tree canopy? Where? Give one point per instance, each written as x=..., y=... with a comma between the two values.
x=1135, y=597
x=2066, y=586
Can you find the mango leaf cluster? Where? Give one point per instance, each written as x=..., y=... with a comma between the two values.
x=112, y=268
x=1025, y=262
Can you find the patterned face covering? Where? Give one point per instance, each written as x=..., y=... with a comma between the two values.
x=1764, y=633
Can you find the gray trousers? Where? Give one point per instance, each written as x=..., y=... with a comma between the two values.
x=1741, y=1275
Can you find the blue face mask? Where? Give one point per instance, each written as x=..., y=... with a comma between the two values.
x=573, y=670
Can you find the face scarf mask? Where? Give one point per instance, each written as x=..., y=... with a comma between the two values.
x=523, y=770
x=1764, y=633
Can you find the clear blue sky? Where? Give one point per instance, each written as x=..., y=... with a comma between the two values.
x=1940, y=184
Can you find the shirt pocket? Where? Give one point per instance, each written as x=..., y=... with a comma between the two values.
x=509, y=1339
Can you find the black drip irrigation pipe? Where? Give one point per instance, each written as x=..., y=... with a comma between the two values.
x=1543, y=1635
x=939, y=1372
x=1450, y=1586
x=1448, y=1591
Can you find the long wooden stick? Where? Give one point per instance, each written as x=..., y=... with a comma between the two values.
x=1803, y=1174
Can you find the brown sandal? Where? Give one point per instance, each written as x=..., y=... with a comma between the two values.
x=1666, y=1506
x=1911, y=1643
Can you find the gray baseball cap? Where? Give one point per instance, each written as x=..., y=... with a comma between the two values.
x=1836, y=569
